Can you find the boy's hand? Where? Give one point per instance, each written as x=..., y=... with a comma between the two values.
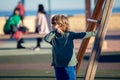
x=59, y=30
x=56, y=27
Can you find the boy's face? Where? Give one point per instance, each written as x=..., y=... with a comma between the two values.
x=17, y=12
x=56, y=26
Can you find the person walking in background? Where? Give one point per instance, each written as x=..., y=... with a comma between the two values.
x=12, y=26
x=22, y=11
x=63, y=52
x=42, y=25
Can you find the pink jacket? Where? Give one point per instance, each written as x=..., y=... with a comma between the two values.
x=22, y=9
x=42, y=24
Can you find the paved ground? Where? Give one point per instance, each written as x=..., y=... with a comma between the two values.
x=25, y=63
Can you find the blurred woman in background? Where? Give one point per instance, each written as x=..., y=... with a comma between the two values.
x=42, y=25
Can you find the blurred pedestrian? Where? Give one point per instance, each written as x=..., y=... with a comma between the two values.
x=22, y=11
x=42, y=25
x=13, y=27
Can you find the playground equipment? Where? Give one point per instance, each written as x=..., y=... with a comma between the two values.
x=101, y=13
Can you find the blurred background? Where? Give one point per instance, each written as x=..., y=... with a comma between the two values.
x=26, y=64
x=75, y=9
x=68, y=7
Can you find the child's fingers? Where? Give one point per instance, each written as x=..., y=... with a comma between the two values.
x=59, y=30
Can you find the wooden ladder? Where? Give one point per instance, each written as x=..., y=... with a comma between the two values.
x=100, y=13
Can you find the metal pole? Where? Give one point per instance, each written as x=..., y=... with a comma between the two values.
x=23, y=2
x=49, y=7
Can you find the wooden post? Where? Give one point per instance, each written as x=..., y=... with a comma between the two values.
x=29, y=35
x=93, y=62
x=87, y=10
x=91, y=25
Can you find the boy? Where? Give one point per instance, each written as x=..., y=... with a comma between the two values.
x=63, y=53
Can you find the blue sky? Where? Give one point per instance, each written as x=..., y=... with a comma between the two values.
x=8, y=5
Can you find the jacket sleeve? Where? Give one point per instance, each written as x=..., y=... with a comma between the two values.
x=49, y=37
x=90, y=34
x=83, y=35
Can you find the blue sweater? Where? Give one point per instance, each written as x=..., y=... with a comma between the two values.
x=63, y=51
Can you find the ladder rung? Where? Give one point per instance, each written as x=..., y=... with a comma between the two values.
x=92, y=20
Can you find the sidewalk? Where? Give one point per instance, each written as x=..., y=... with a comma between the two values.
x=112, y=40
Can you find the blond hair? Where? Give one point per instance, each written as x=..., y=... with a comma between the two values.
x=61, y=20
